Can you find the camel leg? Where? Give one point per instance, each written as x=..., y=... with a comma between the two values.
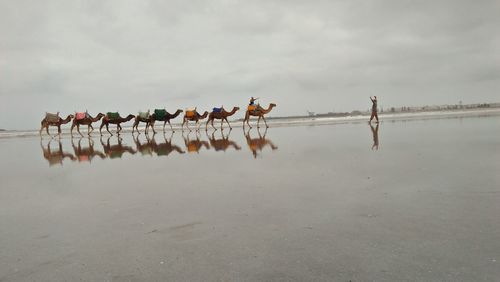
x=228, y=123
x=187, y=125
x=100, y=128
x=263, y=118
x=90, y=129
x=118, y=129
x=213, y=125
x=164, y=123
x=258, y=122
x=134, y=126
x=171, y=128
x=222, y=124
x=247, y=119
x=59, y=130
x=206, y=125
x=107, y=129
x=71, y=130
x=78, y=129
x=153, y=127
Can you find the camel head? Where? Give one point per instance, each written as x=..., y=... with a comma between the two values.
x=272, y=105
x=177, y=113
x=129, y=117
x=100, y=115
x=204, y=115
x=67, y=119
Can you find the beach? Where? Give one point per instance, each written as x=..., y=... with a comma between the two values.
x=412, y=199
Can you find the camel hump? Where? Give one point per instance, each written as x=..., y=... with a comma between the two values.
x=52, y=117
x=113, y=115
x=144, y=114
x=252, y=108
x=80, y=115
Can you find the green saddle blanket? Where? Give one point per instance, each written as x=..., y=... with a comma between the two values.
x=160, y=114
x=144, y=115
x=113, y=115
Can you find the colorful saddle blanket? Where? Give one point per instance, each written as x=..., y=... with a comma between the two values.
x=252, y=107
x=143, y=115
x=52, y=117
x=217, y=110
x=190, y=113
x=80, y=115
x=160, y=114
x=113, y=115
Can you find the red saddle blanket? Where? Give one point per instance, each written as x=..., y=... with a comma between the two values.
x=80, y=115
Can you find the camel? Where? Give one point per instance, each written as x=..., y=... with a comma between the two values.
x=164, y=149
x=115, y=119
x=222, y=144
x=195, y=145
x=53, y=120
x=141, y=117
x=116, y=151
x=88, y=120
x=257, y=144
x=166, y=117
x=193, y=116
x=222, y=115
x=258, y=112
x=87, y=153
x=57, y=157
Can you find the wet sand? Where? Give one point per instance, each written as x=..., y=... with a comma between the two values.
x=301, y=203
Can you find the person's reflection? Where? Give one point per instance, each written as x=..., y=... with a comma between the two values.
x=375, y=136
x=164, y=149
x=117, y=150
x=195, y=145
x=86, y=154
x=224, y=143
x=55, y=157
x=257, y=144
x=145, y=149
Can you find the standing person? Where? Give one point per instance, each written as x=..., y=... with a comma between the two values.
x=374, y=108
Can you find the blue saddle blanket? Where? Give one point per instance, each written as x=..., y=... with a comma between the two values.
x=217, y=110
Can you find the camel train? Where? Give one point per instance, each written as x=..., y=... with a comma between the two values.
x=114, y=118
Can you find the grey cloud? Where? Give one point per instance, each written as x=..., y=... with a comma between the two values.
x=314, y=55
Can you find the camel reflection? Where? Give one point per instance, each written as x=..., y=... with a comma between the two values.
x=117, y=150
x=146, y=149
x=164, y=149
x=86, y=154
x=195, y=145
x=257, y=144
x=375, y=136
x=55, y=157
x=222, y=144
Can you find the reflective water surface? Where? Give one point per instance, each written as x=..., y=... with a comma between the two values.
x=401, y=200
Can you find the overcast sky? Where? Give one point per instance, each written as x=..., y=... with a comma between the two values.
x=303, y=55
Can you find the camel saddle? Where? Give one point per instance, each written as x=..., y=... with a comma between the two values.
x=143, y=115
x=113, y=115
x=160, y=114
x=80, y=115
x=52, y=117
x=190, y=113
x=252, y=108
x=217, y=110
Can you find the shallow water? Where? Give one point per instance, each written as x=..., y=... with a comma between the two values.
x=312, y=202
